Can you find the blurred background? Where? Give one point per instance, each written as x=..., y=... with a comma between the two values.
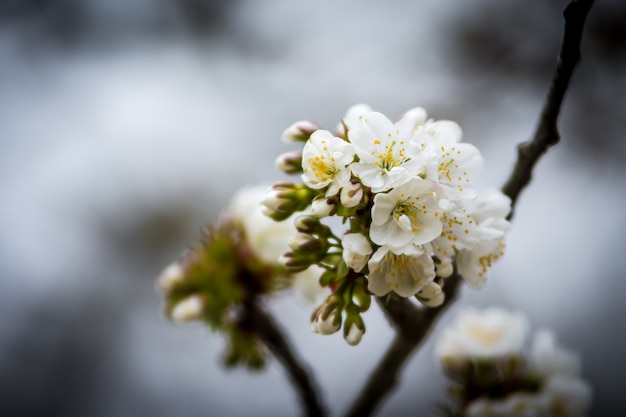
x=126, y=126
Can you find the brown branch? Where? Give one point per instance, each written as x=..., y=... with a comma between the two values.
x=273, y=337
x=546, y=133
x=414, y=324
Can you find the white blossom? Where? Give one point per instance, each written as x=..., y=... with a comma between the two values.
x=351, y=119
x=356, y=250
x=417, y=113
x=486, y=225
x=406, y=214
x=490, y=333
x=449, y=162
x=405, y=271
x=387, y=156
x=324, y=161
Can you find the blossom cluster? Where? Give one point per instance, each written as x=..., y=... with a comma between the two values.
x=495, y=373
x=404, y=190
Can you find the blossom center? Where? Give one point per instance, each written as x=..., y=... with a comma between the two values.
x=387, y=159
x=406, y=217
x=321, y=168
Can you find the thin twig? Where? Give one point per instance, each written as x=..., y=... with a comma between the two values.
x=547, y=133
x=413, y=324
x=300, y=376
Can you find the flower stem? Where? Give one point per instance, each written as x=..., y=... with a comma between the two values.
x=301, y=377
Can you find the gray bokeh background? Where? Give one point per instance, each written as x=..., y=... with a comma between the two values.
x=126, y=126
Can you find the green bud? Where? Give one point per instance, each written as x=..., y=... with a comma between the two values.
x=285, y=198
x=296, y=262
x=305, y=243
x=311, y=225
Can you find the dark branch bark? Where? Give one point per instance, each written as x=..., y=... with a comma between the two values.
x=546, y=133
x=413, y=324
x=273, y=337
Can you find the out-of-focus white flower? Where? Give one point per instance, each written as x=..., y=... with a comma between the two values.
x=306, y=284
x=547, y=357
x=354, y=335
x=404, y=271
x=387, y=156
x=356, y=250
x=267, y=237
x=189, y=309
x=324, y=161
x=170, y=277
x=490, y=333
x=406, y=214
x=566, y=397
x=520, y=404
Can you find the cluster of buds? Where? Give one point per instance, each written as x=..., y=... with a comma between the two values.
x=403, y=194
x=493, y=372
x=219, y=281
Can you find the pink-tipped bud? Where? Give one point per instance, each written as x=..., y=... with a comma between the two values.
x=299, y=131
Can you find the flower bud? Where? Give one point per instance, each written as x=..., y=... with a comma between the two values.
x=290, y=162
x=444, y=269
x=189, y=309
x=285, y=198
x=329, y=325
x=311, y=225
x=352, y=194
x=305, y=243
x=431, y=295
x=327, y=318
x=436, y=301
x=356, y=250
x=170, y=277
x=353, y=334
x=299, y=131
x=296, y=262
x=323, y=207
